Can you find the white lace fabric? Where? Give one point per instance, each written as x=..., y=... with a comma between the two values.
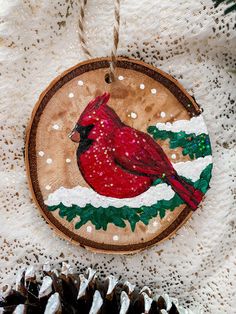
x=188, y=39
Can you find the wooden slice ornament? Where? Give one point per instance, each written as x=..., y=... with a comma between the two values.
x=117, y=167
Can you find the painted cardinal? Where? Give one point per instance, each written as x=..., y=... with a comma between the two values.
x=119, y=161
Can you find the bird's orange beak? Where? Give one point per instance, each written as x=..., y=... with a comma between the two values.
x=74, y=136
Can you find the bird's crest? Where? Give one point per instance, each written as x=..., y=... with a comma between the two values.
x=96, y=104
x=98, y=109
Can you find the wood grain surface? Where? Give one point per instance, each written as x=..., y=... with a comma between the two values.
x=57, y=111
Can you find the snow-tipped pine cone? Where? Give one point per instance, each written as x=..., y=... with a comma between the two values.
x=68, y=292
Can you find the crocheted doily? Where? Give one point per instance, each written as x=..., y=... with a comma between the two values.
x=188, y=39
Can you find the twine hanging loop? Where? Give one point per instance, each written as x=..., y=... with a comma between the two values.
x=111, y=75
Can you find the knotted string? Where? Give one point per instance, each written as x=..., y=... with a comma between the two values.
x=111, y=77
x=116, y=29
x=81, y=29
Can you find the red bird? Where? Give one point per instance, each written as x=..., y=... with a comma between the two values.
x=119, y=161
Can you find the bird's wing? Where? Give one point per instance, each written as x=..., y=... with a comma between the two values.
x=137, y=152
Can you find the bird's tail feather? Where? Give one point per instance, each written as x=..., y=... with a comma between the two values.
x=186, y=191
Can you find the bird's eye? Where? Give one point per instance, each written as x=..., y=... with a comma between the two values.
x=78, y=127
x=83, y=130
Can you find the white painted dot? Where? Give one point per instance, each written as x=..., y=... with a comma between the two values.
x=173, y=156
x=41, y=153
x=71, y=95
x=80, y=83
x=55, y=127
x=48, y=187
x=49, y=161
x=89, y=229
x=142, y=86
x=68, y=160
x=163, y=114
x=133, y=115
x=120, y=77
x=115, y=238
x=153, y=91
x=155, y=223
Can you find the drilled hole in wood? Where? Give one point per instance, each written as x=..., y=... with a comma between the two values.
x=108, y=79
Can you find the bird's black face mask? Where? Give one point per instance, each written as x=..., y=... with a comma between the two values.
x=80, y=135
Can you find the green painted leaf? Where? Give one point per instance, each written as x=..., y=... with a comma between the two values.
x=162, y=212
x=157, y=181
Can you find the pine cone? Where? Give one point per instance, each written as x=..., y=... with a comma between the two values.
x=68, y=292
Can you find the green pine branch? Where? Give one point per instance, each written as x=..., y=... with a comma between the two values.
x=231, y=3
x=193, y=145
x=100, y=217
